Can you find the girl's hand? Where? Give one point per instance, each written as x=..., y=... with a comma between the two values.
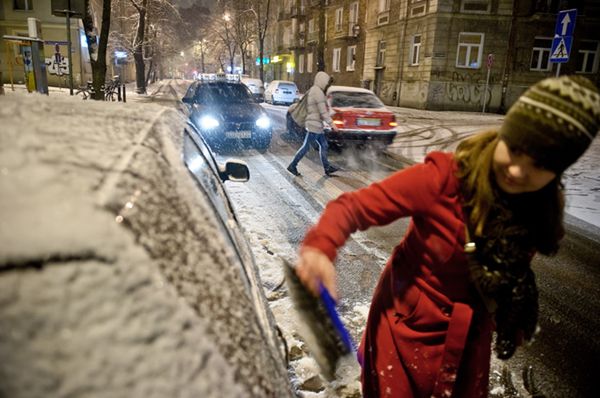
x=314, y=266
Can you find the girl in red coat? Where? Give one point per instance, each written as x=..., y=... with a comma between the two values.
x=463, y=268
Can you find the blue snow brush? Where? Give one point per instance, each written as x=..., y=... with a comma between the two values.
x=326, y=336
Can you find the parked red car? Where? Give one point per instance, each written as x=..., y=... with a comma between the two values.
x=360, y=118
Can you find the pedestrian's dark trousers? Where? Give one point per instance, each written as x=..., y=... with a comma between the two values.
x=320, y=139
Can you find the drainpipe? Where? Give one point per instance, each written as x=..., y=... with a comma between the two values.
x=401, y=58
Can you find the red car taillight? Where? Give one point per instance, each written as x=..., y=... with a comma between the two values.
x=338, y=119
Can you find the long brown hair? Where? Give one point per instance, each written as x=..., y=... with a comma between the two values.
x=540, y=212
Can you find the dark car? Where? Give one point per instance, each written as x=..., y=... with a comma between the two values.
x=125, y=272
x=360, y=118
x=226, y=115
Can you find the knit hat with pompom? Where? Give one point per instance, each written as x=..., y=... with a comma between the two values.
x=554, y=121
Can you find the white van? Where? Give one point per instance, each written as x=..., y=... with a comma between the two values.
x=256, y=88
x=281, y=92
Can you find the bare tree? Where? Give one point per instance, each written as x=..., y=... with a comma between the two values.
x=262, y=11
x=97, y=50
x=152, y=31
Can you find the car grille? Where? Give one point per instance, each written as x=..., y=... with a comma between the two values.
x=232, y=126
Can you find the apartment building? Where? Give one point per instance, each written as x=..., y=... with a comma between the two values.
x=13, y=22
x=436, y=54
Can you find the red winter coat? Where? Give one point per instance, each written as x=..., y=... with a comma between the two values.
x=426, y=334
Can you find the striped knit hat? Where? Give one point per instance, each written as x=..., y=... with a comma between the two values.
x=554, y=121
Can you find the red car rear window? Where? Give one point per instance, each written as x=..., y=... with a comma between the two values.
x=355, y=100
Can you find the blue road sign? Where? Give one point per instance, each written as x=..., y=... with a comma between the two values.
x=561, y=48
x=565, y=23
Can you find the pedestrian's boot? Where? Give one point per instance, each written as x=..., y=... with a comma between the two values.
x=330, y=170
x=292, y=169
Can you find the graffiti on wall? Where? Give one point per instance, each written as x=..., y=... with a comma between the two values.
x=387, y=90
x=468, y=88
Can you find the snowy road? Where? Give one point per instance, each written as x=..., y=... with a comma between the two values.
x=275, y=208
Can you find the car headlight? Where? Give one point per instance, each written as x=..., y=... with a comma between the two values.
x=208, y=122
x=263, y=122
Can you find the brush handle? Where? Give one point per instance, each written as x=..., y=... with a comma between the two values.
x=330, y=305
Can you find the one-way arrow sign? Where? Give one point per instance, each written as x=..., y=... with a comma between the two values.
x=565, y=23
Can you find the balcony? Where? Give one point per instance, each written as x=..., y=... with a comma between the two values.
x=312, y=37
x=346, y=30
x=298, y=12
x=284, y=14
x=298, y=42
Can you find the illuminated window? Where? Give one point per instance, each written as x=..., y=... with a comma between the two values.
x=470, y=48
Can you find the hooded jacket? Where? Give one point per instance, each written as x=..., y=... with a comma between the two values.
x=317, y=111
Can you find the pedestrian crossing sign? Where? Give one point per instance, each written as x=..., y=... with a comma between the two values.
x=561, y=48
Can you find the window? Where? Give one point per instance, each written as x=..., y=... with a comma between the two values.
x=383, y=16
x=339, y=19
x=380, y=53
x=415, y=49
x=384, y=5
x=326, y=21
x=540, y=55
x=301, y=63
x=351, y=58
x=587, y=56
x=475, y=6
x=337, y=52
x=309, y=63
x=470, y=48
x=23, y=5
x=352, y=18
x=417, y=7
x=311, y=25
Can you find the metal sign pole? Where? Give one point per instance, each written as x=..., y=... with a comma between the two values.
x=487, y=83
x=558, y=69
x=70, y=54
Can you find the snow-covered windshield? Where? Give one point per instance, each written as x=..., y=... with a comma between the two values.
x=355, y=99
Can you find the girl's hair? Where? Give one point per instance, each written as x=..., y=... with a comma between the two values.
x=540, y=212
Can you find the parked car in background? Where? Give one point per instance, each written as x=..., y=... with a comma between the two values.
x=360, y=118
x=227, y=116
x=256, y=88
x=125, y=271
x=281, y=92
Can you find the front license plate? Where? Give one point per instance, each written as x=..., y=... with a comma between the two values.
x=287, y=92
x=368, y=122
x=238, y=134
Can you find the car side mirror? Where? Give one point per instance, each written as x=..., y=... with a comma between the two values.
x=187, y=100
x=234, y=170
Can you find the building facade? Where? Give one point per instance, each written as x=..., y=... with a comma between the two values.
x=14, y=56
x=435, y=54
